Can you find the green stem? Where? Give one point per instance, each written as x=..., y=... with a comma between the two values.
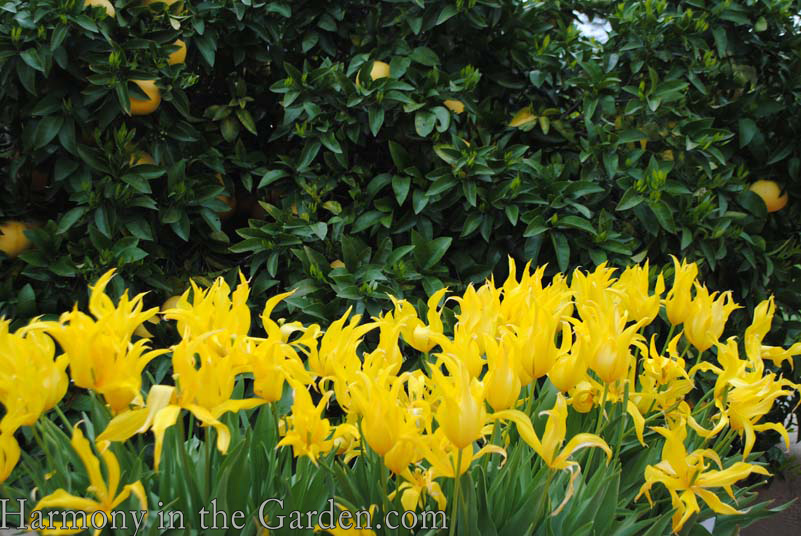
x=601, y=411
x=669, y=337
x=63, y=418
x=456, y=493
x=622, y=421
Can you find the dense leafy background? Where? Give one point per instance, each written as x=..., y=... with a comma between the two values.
x=643, y=146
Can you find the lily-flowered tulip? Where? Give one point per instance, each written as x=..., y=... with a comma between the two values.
x=215, y=308
x=635, y=297
x=759, y=328
x=679, y=297
x=418, y=335
x=308, y=432
x=550, y=447
x=461, y=412
x=687, y=477
x=32, y=382
x=606, y=342
x=416, y=486
x=501, y=383
x=708, y=317
x=100, y=353
x=107, y=494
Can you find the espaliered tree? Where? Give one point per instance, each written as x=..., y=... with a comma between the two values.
x=354, y=149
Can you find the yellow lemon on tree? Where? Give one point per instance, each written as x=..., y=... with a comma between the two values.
x=456, y=106
x=105, y=4
x=145, y=107
x=769, y=192
x=379, y=70
x=179, y=56
x=337, y=264
x=12, y=238
x=227, y=199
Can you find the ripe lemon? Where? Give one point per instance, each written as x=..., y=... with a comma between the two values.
x=522, y=117
x=145, y=107
x=456, y=106
x=12, y=238
x=105, y=4
x=179, y=55
x=337, y=264
x=379, y=70
x=769, y=192
x=227, y=199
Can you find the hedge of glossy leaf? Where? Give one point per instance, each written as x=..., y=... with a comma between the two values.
x=353, y=178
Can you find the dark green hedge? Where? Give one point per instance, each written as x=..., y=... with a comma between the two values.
x=640, y=147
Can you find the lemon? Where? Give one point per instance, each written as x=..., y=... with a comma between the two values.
x=769, y=192
x=105, y=4
x=179, y=56
x=337, y=264
x=456, y=106
x=146, y=107
x=12, y=238
x=379, y=70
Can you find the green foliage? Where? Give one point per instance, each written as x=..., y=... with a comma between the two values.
x=637, y=148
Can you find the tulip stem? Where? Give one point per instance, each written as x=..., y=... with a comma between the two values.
x=669, y=336
x=622, y=425
x=457, y=489
x=598, y=423
x=63, y=418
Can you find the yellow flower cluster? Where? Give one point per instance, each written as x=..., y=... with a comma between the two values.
x=431, y=421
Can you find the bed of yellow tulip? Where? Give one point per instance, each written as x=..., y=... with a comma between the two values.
x=540, y=368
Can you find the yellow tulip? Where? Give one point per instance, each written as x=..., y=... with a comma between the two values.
x=107, y=494
x=568, y=370
x=418, y=335
x=677, y=302
x=584, y=396
x=595, y=289
x=707, y=317
x=686, y=477
x=215, y=308
x=550, y=448
x=31, y=381
x=101, y=356
x=635, y=297
x=759, y=328
x=308, y=433
x=501, y=383
x=418, y=485
x=479, y=313
x=606, y=342
x=461, y=413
